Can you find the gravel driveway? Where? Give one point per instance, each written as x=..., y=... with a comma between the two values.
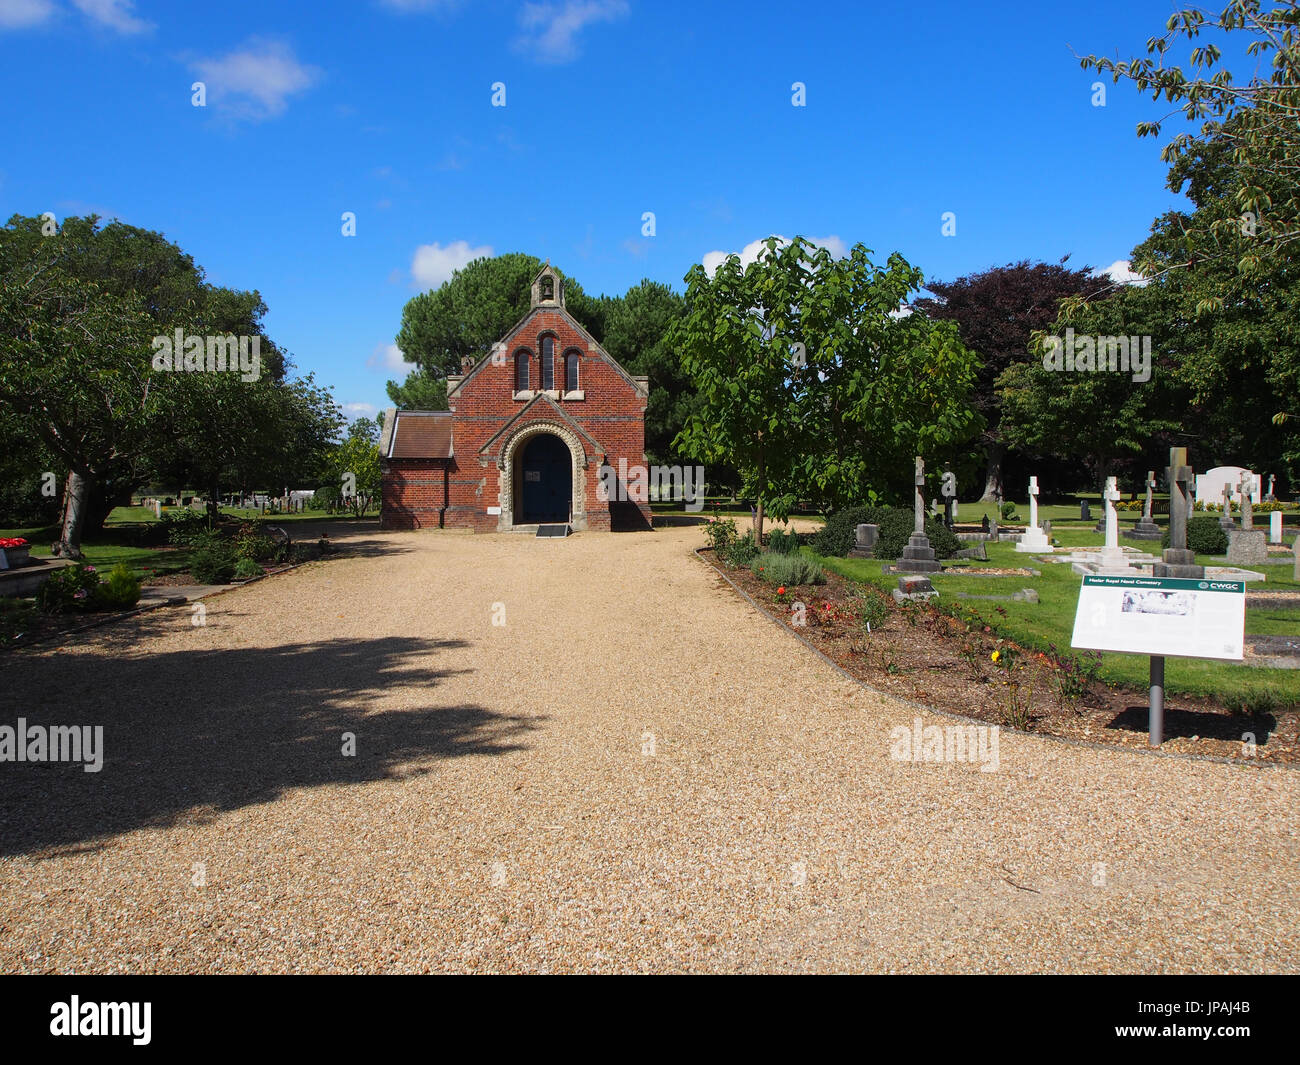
x=634, y=772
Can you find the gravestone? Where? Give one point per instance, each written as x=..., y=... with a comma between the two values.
x=1047, y=529
x=1033, y=538
x=1247, y=547
x=157, y=509
x=1112, y=555
x=1270, y=496
x=1295, y=550
x=1146, y=528
x=1177, y=560
x=948, y=489
x=1225, y=519
x=994, y=532
x=864, y=544
x=1247, y=513
x=914, y=587
x=1275, y=527
x=1084, y=513
x=984, y=524
x=918, y=555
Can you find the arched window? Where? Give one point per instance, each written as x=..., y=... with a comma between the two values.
x=548, y=363
x=571, y=370
x=521, y=371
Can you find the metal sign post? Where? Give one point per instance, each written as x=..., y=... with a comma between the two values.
x=1156, y=704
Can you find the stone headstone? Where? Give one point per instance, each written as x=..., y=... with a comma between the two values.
x=1047, y=529
x=1295, y=550
x=1270, y=496
x=1247, y=514
x=1146, y=528
x=1084, y=513
x=1033, y=538
x=994, y=533
x=864, y=544
x=1112, y=555
x=918, y=555
x=1177, y=560
x=1225, y=519
x=1275, y=527
x=1247, y=547
x=914, y=587
x=984, y=523
x=157, y=509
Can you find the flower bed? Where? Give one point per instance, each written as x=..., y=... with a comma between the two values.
x=954, y=659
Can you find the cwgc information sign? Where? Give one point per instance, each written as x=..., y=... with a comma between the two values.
x=1162, y=616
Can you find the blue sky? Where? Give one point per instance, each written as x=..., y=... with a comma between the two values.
x=613, y=108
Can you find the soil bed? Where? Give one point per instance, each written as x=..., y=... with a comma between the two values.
x=919, y=653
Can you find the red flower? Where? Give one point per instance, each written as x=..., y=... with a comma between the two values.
x=13, y=541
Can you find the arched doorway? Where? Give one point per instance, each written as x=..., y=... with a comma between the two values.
x=545, y=480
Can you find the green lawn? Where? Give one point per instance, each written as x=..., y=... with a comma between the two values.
x=1051, y=621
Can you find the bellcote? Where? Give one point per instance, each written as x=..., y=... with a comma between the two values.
x=548, y=288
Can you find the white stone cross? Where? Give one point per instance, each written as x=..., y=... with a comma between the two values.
x=1111, y=495
x=1033, y=502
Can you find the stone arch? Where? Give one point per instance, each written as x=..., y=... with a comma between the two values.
x=506, y=472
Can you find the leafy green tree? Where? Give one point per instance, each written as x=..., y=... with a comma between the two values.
x=1254, y=120
x=420, y=391
x=812, y=383
x=357, y=472
x=997, y=311
x=637, y=325
x=466, y=315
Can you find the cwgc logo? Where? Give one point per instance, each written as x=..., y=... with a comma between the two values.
x=102, y=1018
x=214, y=354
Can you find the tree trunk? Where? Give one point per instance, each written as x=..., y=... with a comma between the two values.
x=993, y=474
x=75, y=501
x=758, y=510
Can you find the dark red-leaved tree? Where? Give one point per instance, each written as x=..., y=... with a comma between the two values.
x=996, y=310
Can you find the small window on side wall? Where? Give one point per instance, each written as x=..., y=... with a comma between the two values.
x=571, y=371
x=521, y=371
x=548, y=363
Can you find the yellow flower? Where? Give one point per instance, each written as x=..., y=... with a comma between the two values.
x=995, y=655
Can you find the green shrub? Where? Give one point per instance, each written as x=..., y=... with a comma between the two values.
x=121, y=591
x=896, y=529
x=246, y=568
x=836, y=538
x=67, y=589
x=787, y=570
x=1009, y=512
x=212, y=565
x=874, y=610
x=252, y=542
x=721, y=533
x=185, y=527
x=741, y=552
x=1204, y=537
x=783, y=541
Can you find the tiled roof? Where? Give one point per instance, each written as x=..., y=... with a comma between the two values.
x=421, y=434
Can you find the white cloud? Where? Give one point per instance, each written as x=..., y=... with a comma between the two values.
x=115, y=14
x=1121, y=270
x=550, y=29
x=751, y=251
x=360, y=410
x=19, y=14
x=433, y=264
x=387, y=357
x=256, y=80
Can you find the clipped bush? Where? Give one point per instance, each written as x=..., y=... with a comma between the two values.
x=246, y=569
x=1204, y=537
x=721, y=533
x=121, y=591
x=789, y=570
x=253, y=542
x=783, y=541
x=837, y=537
x=896, y=529
x=212, y=565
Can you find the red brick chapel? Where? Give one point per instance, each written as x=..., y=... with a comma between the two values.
x=531, y=425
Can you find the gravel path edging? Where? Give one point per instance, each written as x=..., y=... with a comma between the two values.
x=954, y=716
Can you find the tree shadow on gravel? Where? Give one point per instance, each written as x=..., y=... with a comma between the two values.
x=189, y=733
x=1187, y=723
